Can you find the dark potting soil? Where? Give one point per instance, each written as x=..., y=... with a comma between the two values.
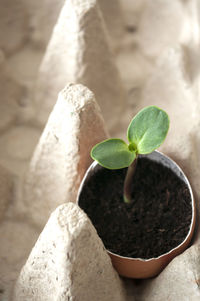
x=156, y=221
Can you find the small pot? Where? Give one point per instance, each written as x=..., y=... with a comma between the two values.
x=146, y=268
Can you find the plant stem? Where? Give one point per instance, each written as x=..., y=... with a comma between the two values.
x=129, y=181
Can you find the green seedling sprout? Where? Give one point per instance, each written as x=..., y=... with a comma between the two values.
x=146, y=132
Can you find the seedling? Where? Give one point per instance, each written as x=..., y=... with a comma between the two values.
x=146, y=132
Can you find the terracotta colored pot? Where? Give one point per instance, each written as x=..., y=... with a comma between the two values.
x=145, y=268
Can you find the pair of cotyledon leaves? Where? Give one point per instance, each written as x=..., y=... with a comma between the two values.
x=146, y=132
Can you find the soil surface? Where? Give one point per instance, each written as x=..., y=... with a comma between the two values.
x=156, y=221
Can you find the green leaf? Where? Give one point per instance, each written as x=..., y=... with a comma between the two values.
x=148, y=129
x=113, y=154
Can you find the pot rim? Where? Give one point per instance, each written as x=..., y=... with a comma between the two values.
x=95, y=163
